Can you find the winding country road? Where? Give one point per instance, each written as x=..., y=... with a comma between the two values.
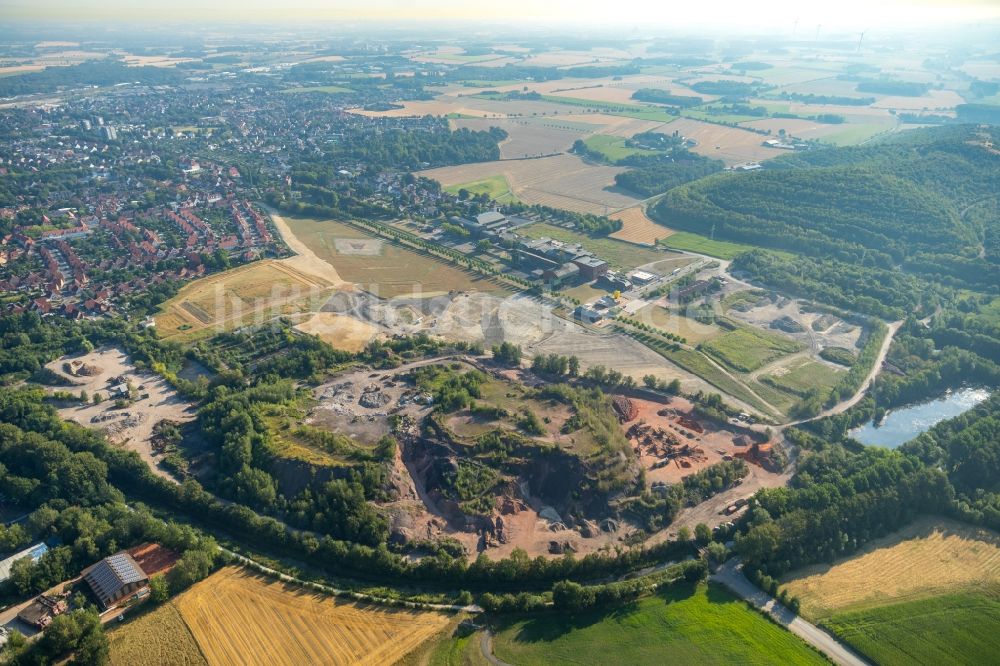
x=731, y=575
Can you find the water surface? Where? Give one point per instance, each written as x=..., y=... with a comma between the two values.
x=903, y=424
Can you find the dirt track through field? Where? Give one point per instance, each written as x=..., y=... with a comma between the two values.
x=305, y=260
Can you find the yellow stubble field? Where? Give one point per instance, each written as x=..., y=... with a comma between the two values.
x=928, y=557
x=240, y=618
x=252, y=293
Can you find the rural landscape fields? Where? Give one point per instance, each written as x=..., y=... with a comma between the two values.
x=532, y=349
x=938, y=594
x=235, y=616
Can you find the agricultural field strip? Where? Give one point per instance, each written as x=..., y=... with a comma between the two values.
x=720, y=381
x=260, y=615
x=732, y=577
x=928, y=557
x=948, y=629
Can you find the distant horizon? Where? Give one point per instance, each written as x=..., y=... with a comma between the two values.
x=778, y=16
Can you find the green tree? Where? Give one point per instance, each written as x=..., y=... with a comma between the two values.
x=702, y=534
x=193, y=566
x=159, y=590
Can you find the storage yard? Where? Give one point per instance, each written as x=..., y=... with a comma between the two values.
x=131, y=404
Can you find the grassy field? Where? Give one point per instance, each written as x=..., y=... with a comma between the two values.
x=615, y=108
x=854, y=134
x=798, y=377
x=699, y=364
x=747, y=349
x=619, y=254
x=685, y=625
x=613, y=147
x=932, y=556
x=950, y=629
x=585, y=292
x=153, y=638
x=448, y=649
x=381, y=267
x=495, y=187
x=683, y=240
x=673, y=322
x=240, y=618
x=254, y=293
x=318, y=89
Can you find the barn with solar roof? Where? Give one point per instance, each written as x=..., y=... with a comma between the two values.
x=115, y=578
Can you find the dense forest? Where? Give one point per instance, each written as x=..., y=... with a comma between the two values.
x=415, y=150
x=659, y=177
x=838, y=501
x=657, y=96
x=654, y=173
x=843, y=496
x=91, y=73
x=967, y=448
x=907, y=202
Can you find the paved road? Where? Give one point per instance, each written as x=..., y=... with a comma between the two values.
x=731, y=575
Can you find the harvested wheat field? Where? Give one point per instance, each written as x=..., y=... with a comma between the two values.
x=157, y=637
x=799, y=128
x=254, y=293
x=339, y=331
x=436, y=107
x=530, y=137
x=561, y=181
x=931, y=556
x=732, y=145
x=638, y=228
x=240, y=618
x=382, y=268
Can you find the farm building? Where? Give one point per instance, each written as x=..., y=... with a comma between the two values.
x=39, y=613
x=34, y=552
x=490, y=224
x=115, y=578
x=490, y=217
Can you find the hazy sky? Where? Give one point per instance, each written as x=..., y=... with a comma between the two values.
x=723, y=13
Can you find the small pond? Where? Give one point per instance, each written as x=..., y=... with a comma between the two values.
x=903, y=424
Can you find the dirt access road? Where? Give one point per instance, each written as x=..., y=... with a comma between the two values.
x=856, y=398
x=731, y=575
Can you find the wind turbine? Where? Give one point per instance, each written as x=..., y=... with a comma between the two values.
x=861, y=39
